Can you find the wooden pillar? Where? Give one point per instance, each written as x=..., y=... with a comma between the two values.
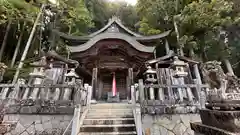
x=94, y=82
x=129, y=82
x=100, y=89
x=128, y=87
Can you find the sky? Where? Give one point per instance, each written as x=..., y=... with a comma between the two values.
x=132, y=2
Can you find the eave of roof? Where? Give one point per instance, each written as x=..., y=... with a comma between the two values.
x=107, y=35
x=86, y=38
x=171, y=54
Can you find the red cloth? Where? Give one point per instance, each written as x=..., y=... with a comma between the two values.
x=114, y=87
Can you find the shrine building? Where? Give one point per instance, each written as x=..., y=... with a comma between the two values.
x=112, y=52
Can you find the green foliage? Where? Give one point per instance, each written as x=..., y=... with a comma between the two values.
x=103, y=10
x=75, y=16
x=17, y=10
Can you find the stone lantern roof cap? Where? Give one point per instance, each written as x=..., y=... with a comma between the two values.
x=150, y=70
x=72, y=73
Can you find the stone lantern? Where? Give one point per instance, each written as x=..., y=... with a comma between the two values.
x=36, y=78
x=150, y=75
x=178, y=66
x=71, y=77
x=70, y=80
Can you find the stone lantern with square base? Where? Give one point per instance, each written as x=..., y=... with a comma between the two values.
x=70, y=80
x=178, y=66
x=150, y=79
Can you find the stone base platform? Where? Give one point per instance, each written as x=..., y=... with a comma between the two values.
x=201, y=129
x=226, y=120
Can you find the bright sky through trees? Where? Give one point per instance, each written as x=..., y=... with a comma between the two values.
x=132, y=2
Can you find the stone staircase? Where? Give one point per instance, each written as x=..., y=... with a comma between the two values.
x=109, y=119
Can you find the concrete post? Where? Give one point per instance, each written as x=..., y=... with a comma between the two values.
x=89, y=95
x=133, y=95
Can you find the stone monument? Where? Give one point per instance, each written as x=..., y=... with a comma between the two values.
x=222, y=116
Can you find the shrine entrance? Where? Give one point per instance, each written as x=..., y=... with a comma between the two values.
x=105, y=84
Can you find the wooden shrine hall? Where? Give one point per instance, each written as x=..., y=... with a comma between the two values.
x=112, y=53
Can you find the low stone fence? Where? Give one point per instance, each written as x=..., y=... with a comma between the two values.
x=39, y=109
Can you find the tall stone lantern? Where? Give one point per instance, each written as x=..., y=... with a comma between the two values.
x=70, y=80
x=150, y=76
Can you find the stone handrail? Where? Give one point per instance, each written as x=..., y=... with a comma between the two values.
x=136, y=111
x=168, y=99
x=69, y=125
x=46, y=92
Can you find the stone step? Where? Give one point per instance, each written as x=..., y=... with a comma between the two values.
x=109, y=116
x=108, y=133
x=109, y=113
x=108, y=128
x=110, y=106
x=110, y=110
x=108, y=121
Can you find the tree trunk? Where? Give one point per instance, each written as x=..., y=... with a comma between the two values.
x=18, y=46
x=181, y=53
x=5, y=39
x=229, y=66
x=24, y=55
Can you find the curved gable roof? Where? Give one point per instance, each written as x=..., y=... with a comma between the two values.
x=106, y=35
x=118, y=22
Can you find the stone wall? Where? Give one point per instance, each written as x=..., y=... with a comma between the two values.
x=176, y=124
x=38, y=124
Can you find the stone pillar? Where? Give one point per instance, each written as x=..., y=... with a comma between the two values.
x=133, y=95
x=57, y=94
x=141, y=90
x=27, y=90
x=89, y=95
x=151, y=91
x=35, y=91
x=161, y=94
x=75, y=122
x=198, y=80
x=197, y=74
x=167, y=48
x=5, y=92
x=180, y=93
